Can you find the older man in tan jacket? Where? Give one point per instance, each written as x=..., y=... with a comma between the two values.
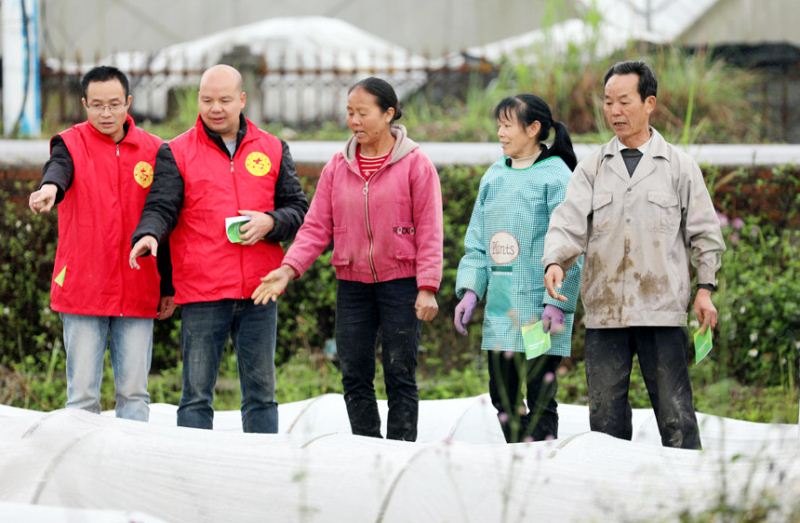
x=640, y=211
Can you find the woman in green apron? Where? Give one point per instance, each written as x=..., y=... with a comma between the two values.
x=502, y=263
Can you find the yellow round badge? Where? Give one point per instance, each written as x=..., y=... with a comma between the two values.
x=257, y=163
x=143, y=174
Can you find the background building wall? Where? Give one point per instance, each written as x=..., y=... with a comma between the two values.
x=747, y=22
x=98, y=27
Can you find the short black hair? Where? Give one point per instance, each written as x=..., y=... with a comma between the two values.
x=104, y=73
x=383, y=92
x=648, y=86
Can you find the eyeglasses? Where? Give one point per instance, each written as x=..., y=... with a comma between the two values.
x=113, y=108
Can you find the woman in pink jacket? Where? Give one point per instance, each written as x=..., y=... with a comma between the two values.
x=380, y=202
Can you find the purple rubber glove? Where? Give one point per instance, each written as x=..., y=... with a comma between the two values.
x=464, y=311
x=552, y=319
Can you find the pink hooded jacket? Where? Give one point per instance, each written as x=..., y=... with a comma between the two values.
x=384, y=228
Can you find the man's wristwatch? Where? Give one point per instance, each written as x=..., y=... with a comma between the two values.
x=708, y=286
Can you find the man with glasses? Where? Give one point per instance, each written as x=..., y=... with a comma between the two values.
x=99, y=174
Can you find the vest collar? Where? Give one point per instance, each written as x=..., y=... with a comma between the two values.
x=217, y=139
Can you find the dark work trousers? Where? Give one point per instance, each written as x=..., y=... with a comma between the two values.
x=662, y=353
x=366, y=312
x=507, y=372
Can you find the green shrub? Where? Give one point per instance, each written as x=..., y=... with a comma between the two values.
x=759, y=283
x=758, y=338
x=30, y=332
x=183, y=115
x=770, y=195
x=27, y=248
x=689, y=110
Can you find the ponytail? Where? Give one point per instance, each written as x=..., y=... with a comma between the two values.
x=562, y=146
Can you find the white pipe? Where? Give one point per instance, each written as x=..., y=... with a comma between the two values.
x=22, y=106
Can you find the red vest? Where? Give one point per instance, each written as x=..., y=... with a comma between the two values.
x=96, y=219
x=206, y=266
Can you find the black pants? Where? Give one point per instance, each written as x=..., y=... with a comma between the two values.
x=365, y=311
x=662, y=353
x=506, y=375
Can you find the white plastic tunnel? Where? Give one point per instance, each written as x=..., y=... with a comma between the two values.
x=70, y=465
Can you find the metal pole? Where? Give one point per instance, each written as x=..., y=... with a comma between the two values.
x=22, y=106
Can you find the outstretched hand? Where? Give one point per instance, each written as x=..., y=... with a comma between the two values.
x=143, y=246
x=273, y=284
x=43, y=200
x=553, y=278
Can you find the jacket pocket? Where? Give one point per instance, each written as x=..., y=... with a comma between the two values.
x=602, y=212
x=664, y=212
x=405, y=240
x=340, y=256
x=499, y=296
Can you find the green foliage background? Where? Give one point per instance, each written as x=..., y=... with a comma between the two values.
x=757, y=343
x=752, y=372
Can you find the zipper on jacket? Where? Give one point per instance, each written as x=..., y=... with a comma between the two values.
x=365, y=191
x=122, y=221
x=369, y=232
x=238, y=204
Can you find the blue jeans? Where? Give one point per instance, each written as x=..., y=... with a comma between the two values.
x=205, y=326
x=365, y=311
x=131, y=347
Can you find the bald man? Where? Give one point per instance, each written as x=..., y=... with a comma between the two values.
x=224, y=167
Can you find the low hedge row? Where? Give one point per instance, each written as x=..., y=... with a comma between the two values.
x=758, y=340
